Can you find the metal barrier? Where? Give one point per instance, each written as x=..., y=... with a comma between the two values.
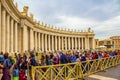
x=77, y=70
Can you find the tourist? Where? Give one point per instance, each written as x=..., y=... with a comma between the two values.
x=1, y=65
x=63, y=58
x=33, y=61
x=72, y=58
x=22, y=69
x=7, y=65
x=100, y=55
x=106, y=55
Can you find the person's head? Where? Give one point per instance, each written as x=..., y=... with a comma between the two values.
x=22, y=59
x=80, y=54
x=19, y=55
x=6, y=55
x=15, y=54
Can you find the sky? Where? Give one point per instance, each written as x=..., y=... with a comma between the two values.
x=102, y=16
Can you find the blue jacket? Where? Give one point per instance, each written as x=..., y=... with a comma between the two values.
x=112, y=54
x=73, y=58
x=63, y=59
x=100, y=56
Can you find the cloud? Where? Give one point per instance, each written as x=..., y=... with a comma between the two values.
x=108, y=28
x=103, y=16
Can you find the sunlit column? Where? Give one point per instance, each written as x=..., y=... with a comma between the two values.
x=11, y=38
x=31, y=39
x=59, y=42
x=69, y=43
x=25, y=38
x=35, y=40
x=8, y=33
x=38, y=41
x=82, y=42
x=16, y=37
x=65, y=43
x=79, y=43
x=88, y=43
x=75, y=43
x=93, y=43
x=52, y=42
x=45, y=42
x=62, y=43
x=49, y=42
x=55, y=42
x=42, y=42
x=3, y=29
x=72, y=43
x=0, y=25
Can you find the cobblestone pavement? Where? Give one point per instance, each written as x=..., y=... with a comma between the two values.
x=109, y=74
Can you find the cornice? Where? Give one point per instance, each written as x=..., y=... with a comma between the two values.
x=36, y=25
x=11, y=9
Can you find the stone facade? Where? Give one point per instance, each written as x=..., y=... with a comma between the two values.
x=115, y=42
x=20, y=32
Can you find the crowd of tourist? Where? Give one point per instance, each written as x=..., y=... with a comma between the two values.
x=12, y=66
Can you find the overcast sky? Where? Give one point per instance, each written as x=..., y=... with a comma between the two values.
x=103, y=16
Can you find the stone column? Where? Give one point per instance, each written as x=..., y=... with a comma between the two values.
x=49, y=42
x=59, y=42
x=11, y=36
x=82, y=43
x=79, y=43
x=45, y=42
x=88, y=43
x=52, y=42
x=31, y=39
x=0, y=25
x=72, y=43
x=42, y=42
x=8, y=34
x=25, y=39
x=3, y=30
x=35, y=40
x=62, y=43
x=75, y=43
x=16, y=36
x=38, y=45
x=93, y=43
x=69, y=43
x=55, y=42
x=65, y=43
x=19, y=39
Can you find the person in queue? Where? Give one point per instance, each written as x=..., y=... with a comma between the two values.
x=7, y=65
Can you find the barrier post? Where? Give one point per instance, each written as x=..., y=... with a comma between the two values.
x=33, y=73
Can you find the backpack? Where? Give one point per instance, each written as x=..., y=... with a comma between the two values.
x=1, y=58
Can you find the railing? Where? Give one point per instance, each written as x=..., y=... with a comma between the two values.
x=77, y=70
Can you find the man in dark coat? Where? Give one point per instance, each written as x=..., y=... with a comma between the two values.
x=63, y=58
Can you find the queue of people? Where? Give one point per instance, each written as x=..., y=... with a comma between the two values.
x=16, y=67
x=74, y=56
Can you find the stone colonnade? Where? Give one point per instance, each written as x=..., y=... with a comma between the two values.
x=49, y=42
x=19, y=32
